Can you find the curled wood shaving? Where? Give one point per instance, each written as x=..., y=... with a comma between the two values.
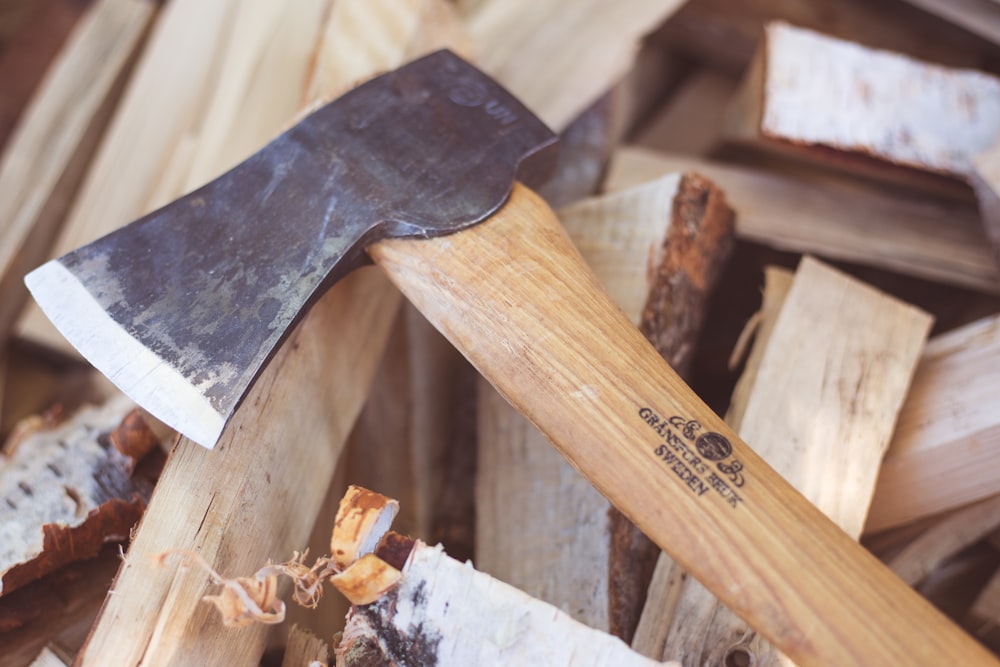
x=308, y=581
x=362, y=520
x=243, y=600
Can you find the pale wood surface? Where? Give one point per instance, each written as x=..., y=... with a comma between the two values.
x=164, y=100
x=560, y=56
x=258, y=85
x=924, y=237
x=383, y=33
x=516, y=298
x=946, y=447
x=808, y=91
x=946, y=538
x=303, y=648
x=46, y=157
x=820, y=407
x=777, y=284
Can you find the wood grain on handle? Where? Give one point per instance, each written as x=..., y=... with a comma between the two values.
x=514, y=296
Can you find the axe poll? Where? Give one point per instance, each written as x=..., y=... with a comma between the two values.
x=425, y=171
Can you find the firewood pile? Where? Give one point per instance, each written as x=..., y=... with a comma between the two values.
x=796, y=203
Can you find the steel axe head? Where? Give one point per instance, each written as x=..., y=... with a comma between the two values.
x=182, y=308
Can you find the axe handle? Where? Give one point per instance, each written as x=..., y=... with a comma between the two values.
x=515, y=297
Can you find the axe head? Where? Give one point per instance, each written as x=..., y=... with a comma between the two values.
x=182, y=308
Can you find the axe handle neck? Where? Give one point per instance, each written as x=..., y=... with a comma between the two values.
x=515, y=297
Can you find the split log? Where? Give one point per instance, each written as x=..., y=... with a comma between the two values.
x=48, y=153
x=585, y=47
x=68, y=489
x=946, y=447
x=362, y=38
x=820, y=406
x=871, y=112
x=164, y=100
x=925, y=237
x=658, y=249
x=441, y=611
x=945, y=538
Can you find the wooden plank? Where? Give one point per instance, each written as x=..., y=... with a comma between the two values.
x=819, y=403
x=947, y=443
x=878, y=113
x=46, y=157
x=560, y=56
x=541, y=526
x=163, y=101
x=921, y=236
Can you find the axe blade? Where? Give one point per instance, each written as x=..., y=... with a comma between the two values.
x=183, y=308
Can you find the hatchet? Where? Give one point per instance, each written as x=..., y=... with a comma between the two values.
x=425, y=171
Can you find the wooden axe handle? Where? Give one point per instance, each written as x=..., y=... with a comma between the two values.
x=515, y=297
